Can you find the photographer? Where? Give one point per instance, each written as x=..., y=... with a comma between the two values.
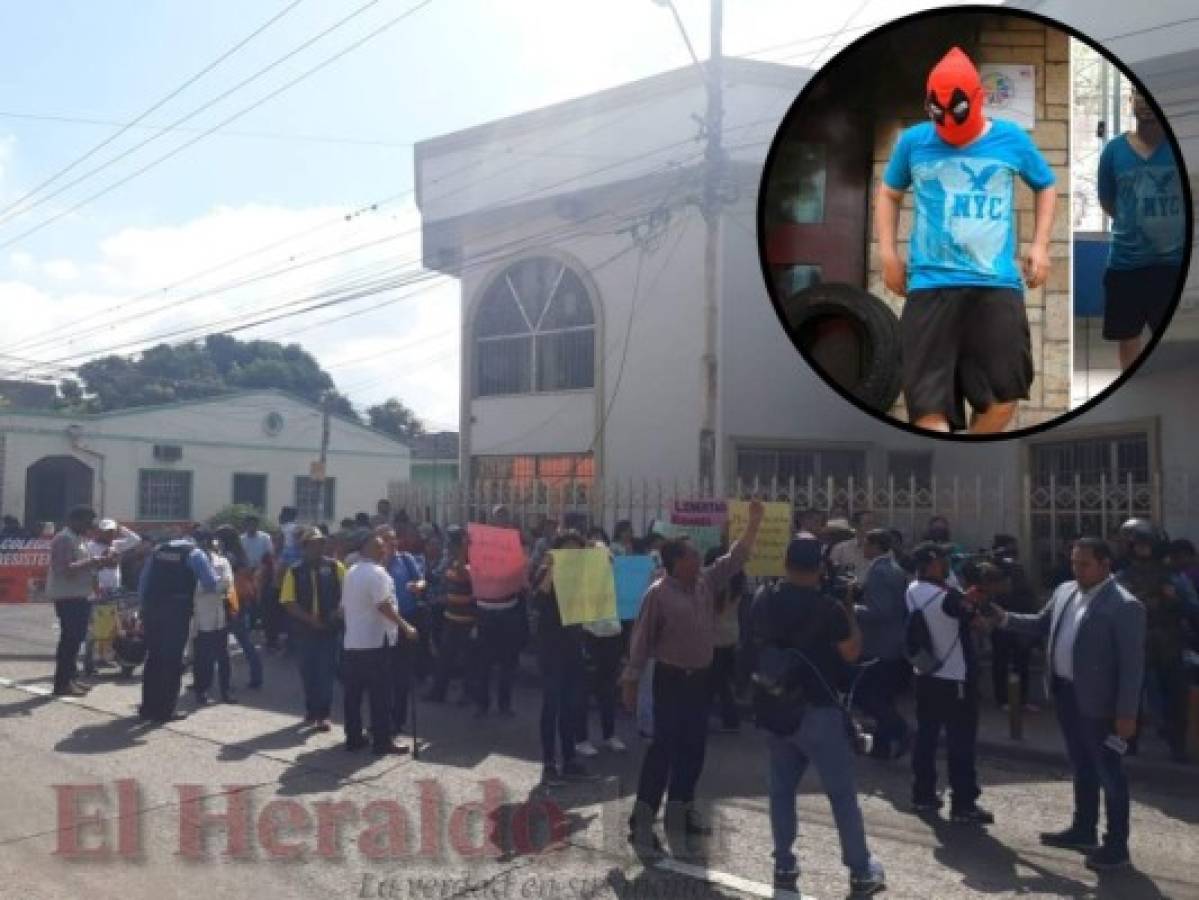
x=805, y=640
x=882, y=611
x=946, y=685
x=1011, y=651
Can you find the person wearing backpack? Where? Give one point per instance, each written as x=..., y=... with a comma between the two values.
x=805, y=640
x=941, y=648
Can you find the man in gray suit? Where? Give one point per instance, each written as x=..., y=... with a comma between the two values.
x=882, y=613
x=1096, y=665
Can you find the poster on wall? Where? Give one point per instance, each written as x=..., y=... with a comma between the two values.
x=23, y=567
x=1011, y=92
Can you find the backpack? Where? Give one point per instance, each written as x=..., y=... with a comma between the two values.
x=918, y=641
x=778, y=701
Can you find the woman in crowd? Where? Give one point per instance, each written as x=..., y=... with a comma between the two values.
x=246, y=589
x=211, y=646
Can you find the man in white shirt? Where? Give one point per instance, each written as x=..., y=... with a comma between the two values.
x=851, y=554
x=946, y=696
x=109, y=543
x=257, y=544
x=372, y=626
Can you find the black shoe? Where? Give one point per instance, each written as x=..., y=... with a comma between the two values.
x=389, y=750
x=972, y=815
x=550, y=775
x=575, y=770
x=1070, y=839
x=79, y=685
x=355, y=744
x=869, y=884
x=694, y=824
x=928, y=805
x=168, y=719
x=70, y=690
x=645, y=843
x=1107, y=858
x=201, y=699
x=786, y=880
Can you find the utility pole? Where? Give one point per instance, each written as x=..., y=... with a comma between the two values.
x=713, y=173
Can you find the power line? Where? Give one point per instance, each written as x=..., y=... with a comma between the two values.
x=150, y=110
x=244, y=111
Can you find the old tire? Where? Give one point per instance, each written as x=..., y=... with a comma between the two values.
x=851, y=337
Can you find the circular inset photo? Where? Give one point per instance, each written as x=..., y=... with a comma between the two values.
x=974, y=223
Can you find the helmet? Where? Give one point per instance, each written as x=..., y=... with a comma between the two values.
x=1140, y=531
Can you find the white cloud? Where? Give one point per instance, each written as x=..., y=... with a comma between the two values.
x=117, y=297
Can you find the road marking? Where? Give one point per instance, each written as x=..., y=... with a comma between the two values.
x=724, y=879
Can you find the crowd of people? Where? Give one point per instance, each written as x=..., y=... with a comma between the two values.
x=386, y=606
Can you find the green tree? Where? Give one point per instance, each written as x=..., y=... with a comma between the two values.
x=394, y=418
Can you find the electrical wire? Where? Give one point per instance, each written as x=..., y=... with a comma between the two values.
x=4, y=213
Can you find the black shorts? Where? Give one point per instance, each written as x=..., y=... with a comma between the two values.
x=964, y=343
x=1134, y=298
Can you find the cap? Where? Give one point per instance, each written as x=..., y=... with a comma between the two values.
x=804, y=552
x=107, y=525
x=838, y=525
x=310, y=533
x=927, y=551
x=357, y=538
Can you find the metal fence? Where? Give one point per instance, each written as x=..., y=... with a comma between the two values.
x=1043, y=514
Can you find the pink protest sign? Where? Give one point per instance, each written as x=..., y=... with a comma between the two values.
x=498, y=566
x=701, y=513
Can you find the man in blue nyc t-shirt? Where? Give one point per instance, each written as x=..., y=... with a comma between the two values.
x=964, y=332
x=1141, y=190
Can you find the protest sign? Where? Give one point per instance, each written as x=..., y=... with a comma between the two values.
x=584, y=585
x=632, y=575
x=770, y=550
x=498, y=566
x=699, y=512
x=23, y=568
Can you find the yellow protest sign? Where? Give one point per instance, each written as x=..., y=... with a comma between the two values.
x=585, y=585
x=770, y=550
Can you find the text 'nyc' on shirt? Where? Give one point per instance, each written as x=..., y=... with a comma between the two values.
x=964, y=233
x=1149, y=227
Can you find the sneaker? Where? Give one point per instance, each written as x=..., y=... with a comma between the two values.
x=1107, y=858
x=550, y=775
x=323, y=725
x=586, y=748
x=645, y=843
x=930, y=805
x=786, y=880
x=972, y=815
x=389, y=750
x=71, y=690
x=1070, y=839
x=694, y=824
x=869, y=883
x=615, y=744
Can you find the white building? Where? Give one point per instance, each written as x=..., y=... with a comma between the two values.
x=575, y=233
x=182, y=462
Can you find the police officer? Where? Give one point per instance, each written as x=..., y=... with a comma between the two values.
x=167, y=588
x=1147, y=577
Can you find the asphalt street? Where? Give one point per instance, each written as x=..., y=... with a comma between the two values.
x=310, y=819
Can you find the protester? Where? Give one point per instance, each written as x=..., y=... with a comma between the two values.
x=373, y=625
x=11, y=530
x=211, y=643
x=560, y=655
x=882, y=614
x=458, y=637
x=814, y=636
x=726, y=606
x=622, y=538
x=675, y=628
x=408, y=579
x=382, y=514
x=947, y=693
x=964, y=330
x=1011, y=652
x=69, y=584
x=245, y=587
x=502, y=624
x=1141, y=189
x=167, y=587
x=311, y=594
x=1096, y=634
x=1148, y=578
x=850, y=555
x=111, y=541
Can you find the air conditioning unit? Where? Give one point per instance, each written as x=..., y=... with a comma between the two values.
x=168, y=452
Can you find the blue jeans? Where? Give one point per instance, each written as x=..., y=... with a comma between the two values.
x=239, y=627
x=1094, y=766
x=318, y=656
x=821, y=740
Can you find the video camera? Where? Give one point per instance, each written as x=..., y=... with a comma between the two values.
x=989, y=572
x=838, y=582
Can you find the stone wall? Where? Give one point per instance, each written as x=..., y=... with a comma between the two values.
x=1005, y=39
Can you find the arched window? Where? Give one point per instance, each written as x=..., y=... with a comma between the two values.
x=535, y=331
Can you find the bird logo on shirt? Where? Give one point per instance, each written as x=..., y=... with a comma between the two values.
x=979, y=180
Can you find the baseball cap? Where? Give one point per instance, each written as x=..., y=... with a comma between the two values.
x=311, y=533
x=107, y=525
x=804, y=552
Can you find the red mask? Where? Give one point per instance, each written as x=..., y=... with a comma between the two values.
x=954, y=100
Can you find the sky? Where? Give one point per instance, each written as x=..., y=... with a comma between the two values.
x=322, y=168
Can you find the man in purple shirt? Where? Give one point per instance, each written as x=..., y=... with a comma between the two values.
x=676, y=629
